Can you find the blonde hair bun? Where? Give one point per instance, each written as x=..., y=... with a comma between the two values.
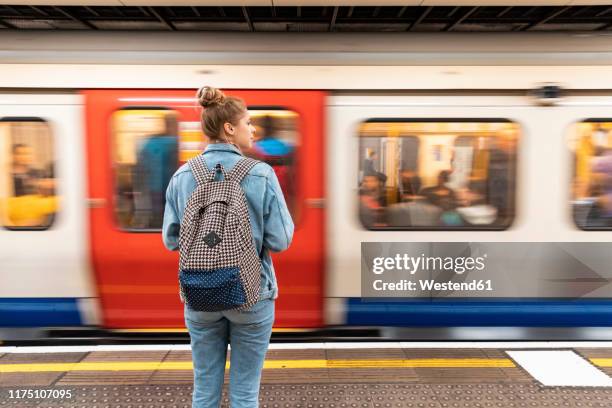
x=209, y=96
x=217, y=109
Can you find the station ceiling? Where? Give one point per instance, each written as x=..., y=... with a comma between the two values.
x=384, y=18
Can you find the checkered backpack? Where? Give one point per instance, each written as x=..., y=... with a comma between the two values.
x=219, y=268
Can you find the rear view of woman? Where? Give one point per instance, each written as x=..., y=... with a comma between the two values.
x=226, y=122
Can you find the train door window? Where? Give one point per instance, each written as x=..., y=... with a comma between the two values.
x=277, y=139
x=591, y=198
x=145, y=156
x=27, y=186
x=437, y=174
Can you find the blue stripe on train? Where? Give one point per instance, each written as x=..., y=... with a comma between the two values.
x=39, y=312
x=511, y=312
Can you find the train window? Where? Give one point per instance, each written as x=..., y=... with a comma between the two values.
x=591, y=146
x=437, y=174
x=145, y=156
x=150, y=143
x=27, y=189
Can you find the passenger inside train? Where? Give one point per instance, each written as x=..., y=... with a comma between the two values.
x=28, y=199
x=145, y=156
x=157, y=160
x=276, y=143
x=437, y=175
x=592, y=189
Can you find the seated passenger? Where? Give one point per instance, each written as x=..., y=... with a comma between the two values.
x=33, y=202
x=449, y=217
x=500, y=183
x=371, y=212
x=435, y=195
x=413, y=210
x=25, y=177
x=410, y=184
x=603, y=166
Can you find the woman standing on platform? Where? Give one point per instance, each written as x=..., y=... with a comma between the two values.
x=226, y=122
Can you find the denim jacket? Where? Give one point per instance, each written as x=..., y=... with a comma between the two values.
x=271, y=223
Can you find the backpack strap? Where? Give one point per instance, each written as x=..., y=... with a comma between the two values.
x=241, y=169
x=198, y=167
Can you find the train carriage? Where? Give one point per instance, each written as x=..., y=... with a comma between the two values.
x=392, y=146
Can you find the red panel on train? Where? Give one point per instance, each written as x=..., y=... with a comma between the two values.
x=135, y=140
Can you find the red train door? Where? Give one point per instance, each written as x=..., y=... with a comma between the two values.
x=135, y=141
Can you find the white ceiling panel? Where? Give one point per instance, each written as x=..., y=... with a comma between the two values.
x=590, y=3
x=68, y=3
x=514, y=3
x=202, y=3
x=347, y=3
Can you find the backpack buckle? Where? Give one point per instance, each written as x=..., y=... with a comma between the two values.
x=218, y=169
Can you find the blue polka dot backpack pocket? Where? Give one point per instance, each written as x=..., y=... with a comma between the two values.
x=219, y=268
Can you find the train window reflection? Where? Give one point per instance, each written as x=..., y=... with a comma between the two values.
x=27, y=190
x=437, y=174
x=276, y=142
x=591, y=146
x=145, y=156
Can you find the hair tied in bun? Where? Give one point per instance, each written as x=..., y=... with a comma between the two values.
x=218, y=109
x=209, y=96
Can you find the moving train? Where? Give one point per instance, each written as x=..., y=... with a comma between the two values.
x=421, y=139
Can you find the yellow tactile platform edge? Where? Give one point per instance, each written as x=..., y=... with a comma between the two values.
x=268, y=364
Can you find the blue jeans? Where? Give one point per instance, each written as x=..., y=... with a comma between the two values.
x=248, y=332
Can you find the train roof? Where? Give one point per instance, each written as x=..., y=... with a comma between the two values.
x=372, y=49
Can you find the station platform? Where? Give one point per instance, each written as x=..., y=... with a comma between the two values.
x=313, y=375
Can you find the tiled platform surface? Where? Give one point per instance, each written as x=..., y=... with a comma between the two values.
x=372, y=387
x=364, y=395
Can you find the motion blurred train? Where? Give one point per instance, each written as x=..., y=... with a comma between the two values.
x=412, y=138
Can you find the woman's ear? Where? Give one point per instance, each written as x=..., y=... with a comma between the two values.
x=229, y=129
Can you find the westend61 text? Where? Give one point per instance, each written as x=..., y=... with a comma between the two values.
x=429, y=284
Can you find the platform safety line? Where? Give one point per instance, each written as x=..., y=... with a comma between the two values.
x=268, y=364
x=601, y=362
x=423, y=362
